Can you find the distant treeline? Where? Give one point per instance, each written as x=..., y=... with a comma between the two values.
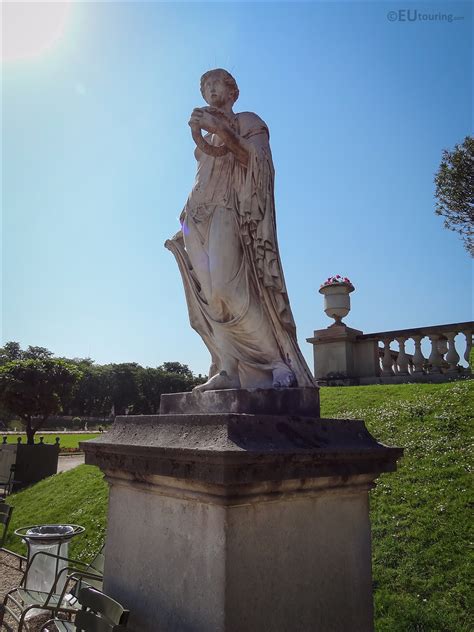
x=107, y=390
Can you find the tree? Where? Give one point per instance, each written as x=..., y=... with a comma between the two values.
x=12, y=351
x=156, y=382
x=99, y=391
x=151, y=389
x=176, y=367
x=36, y=389
x=125, y=387
x=455, y=191
x=9, y=352
x=36, y=353
x=93, y=395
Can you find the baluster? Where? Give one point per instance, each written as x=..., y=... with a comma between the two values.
x=402, y=360
x=452, y=357
x=443, y=349
x=467, y=353
x=394, y=363
x=418, y=358
x=442, y=345
x=435, y=358
x=387, y=358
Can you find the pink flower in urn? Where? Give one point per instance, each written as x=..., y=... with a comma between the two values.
x=336, y=280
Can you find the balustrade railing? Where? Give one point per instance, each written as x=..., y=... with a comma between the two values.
x=443, y=359
x=346, y=356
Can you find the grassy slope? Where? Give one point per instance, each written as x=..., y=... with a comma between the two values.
x=420, y=522
x=419, y=519
x=78, y=496
x=66, y=440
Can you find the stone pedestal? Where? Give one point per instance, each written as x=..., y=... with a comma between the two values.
x=339, y=355
x=240, y=522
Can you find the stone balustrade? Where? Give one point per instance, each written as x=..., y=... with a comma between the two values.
x=348, y=356
x=444, y=358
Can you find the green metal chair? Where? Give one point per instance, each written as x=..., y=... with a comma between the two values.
x=99, y=613
x=7, y=486
x=20, y=601
x=5, y=516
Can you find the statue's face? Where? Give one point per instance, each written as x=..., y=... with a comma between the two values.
x=216, y=92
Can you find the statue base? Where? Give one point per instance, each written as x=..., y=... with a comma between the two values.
x=252, y=401
x=238, y=522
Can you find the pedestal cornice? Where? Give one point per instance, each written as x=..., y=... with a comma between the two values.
x=239, y=449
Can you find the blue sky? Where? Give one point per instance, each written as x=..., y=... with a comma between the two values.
x=97, y=162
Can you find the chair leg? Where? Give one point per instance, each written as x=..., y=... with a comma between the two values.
x=3, y=609
x=23, y=624
x=20, y=623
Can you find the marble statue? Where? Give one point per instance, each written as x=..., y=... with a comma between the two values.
x=227, y=249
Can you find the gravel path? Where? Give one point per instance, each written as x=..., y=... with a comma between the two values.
x=10, y=577
x=10, y=574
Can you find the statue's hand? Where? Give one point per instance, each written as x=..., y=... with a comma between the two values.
x=201, y=118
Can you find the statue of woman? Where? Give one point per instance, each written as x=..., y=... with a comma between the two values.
x=227, y=249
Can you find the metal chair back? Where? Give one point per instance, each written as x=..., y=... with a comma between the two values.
x=100, y=613
x=7, y=486
x=97, y=564
x=94, y=568
x=5, y=517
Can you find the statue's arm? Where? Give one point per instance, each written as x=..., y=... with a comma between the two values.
x=203, y=119
x=253, y=134
x=238, y=146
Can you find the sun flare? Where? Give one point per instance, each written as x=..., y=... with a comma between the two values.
x=31, y=28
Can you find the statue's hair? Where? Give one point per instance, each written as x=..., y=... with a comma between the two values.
x=229, y=81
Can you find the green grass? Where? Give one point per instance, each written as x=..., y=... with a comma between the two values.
x=66, y=440
x=78, y=496
x=420, y=522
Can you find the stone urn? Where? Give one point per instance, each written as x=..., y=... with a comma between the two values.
x=337, y=300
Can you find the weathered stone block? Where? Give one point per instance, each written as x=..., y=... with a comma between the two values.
x=240, y=523
x=281, y=401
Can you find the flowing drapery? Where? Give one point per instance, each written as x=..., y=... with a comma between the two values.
x=239, y=303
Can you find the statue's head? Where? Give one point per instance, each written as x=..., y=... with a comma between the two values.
x=226, y=78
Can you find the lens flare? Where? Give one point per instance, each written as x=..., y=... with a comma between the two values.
x=31, y=28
